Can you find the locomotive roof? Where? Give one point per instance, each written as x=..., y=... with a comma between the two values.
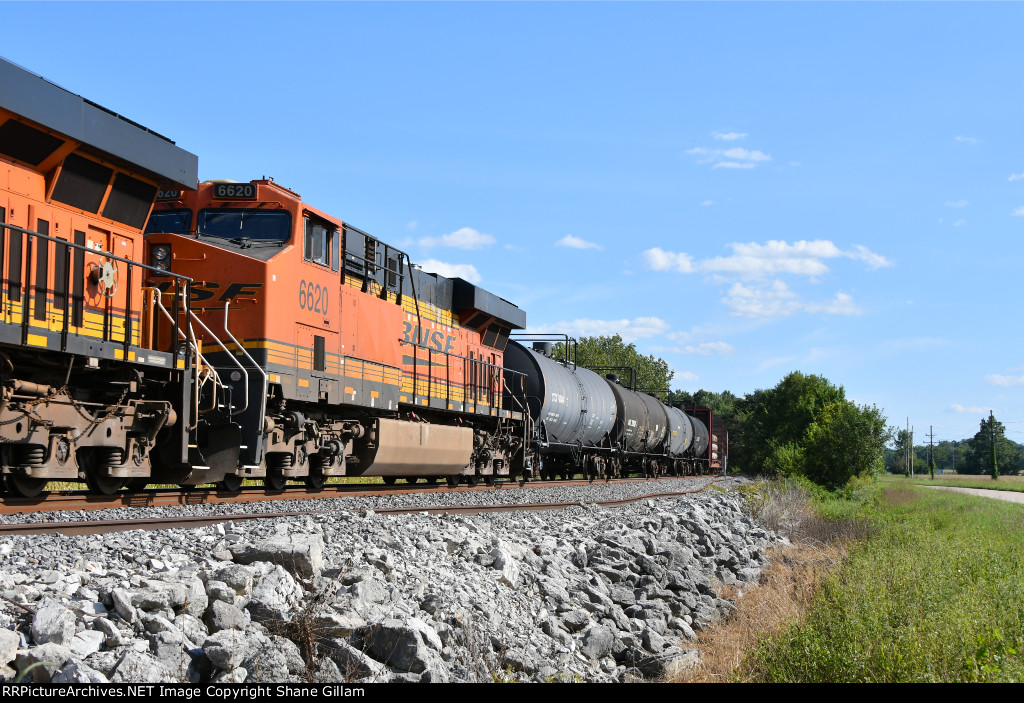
x=53, y=107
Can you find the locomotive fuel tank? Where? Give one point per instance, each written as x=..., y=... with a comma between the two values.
x=574, y=405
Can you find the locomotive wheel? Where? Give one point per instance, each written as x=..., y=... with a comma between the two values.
x=24, y=486
x=232, y=483
x=137, y=484
x=411, y=479
x=275, y=481
x=489, y=479
x=390, y=480
x=472, y=480
x=452, y=481
x=104, y=485
x=316, y=479
x=431, y=480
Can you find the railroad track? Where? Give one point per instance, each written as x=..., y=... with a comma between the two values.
x=73, y=500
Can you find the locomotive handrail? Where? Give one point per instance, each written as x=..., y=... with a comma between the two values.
x=25, y=286
x=266, y=380
x=195, y=349
x=229, y=355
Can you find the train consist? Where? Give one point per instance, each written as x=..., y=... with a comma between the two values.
x=158, y=330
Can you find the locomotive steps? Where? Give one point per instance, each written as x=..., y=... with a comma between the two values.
x=581, y=594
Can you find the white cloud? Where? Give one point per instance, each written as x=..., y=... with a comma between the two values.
x=972, y=409
x=960, y=223
x=751, y=301
x=1019, y=212
x=657, y=260
x=1016, y=177
x=753, y=260
x=466, y=271
x=413, y=224
x=967, y=140
x=736, y=157
x=708, y=202
x=630, y=330
x=464, y=238
x=729, y=136
x=957, y=203
x=733, y=164
x=777, y=300
x=577, y=243
x=842, y=304
x=684, y=376
x=1004, y=381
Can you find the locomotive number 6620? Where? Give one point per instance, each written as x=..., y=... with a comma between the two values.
x=313, y=296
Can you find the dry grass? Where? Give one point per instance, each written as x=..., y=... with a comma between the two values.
x=785, y=591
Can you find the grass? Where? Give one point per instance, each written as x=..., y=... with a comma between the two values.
x=934, y=593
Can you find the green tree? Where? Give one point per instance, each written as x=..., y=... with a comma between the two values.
x=652, y=374
x=779, y=416
x=805, y=425
x=898, y=463
x=845, y=440
x=983, y=456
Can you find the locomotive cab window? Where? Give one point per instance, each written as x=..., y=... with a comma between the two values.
x=169, y=221
x=321, y=243
x=245, y=225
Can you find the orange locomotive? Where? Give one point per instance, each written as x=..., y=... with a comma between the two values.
x=86, y=393
x=327, y=353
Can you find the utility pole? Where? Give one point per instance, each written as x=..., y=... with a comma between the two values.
x=931, y=442
x=992, y=443
x=906, y=451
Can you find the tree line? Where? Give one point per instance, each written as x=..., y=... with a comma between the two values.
x=804, y=426
x=966, y=456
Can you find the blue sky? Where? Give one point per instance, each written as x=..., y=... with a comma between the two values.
x=741, y=189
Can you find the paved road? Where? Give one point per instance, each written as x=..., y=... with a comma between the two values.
x=1009, y=496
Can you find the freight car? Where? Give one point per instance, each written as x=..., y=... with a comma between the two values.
x=158, y=330
x=596, y=426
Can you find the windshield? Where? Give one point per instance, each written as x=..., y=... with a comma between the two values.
x=255, y=225
x=171, y=221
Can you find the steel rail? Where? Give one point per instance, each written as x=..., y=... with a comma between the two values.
x=167, y=497
x=94, y=527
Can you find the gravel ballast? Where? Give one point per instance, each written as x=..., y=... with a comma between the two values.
x=583, y=593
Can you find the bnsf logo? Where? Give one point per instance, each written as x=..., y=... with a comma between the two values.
x=432, y=339
x=208, y=290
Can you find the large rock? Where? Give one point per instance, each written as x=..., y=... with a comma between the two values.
x=86, y=642
x=221, y=616
x=237, y=577
x=53, y=623
x=275, y=595
x=42, y=662
x=226, y=649
x=597, y=642
x=300, y=554
x=75, y=672
x=353, y=663
x=10, y=642
x=410, y=645
x=137, y=667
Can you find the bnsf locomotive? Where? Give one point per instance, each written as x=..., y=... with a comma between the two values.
x=153, y=330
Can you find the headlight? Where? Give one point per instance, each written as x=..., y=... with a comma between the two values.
x=160, y=256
